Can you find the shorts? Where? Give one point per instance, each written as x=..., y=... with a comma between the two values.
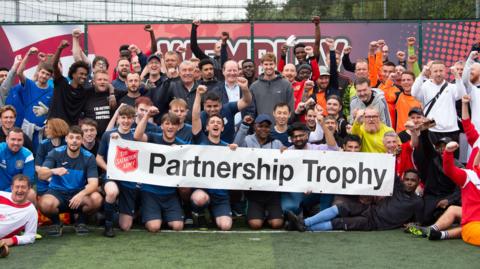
x=354, y=216
x=160, y=207
x=471, y=233
x=261, y=204
x=219, y=204
x=127, y=199
x=63, y=197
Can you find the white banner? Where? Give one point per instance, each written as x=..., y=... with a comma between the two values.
x=251, y=169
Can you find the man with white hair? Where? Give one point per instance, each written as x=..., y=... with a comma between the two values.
x=183, y=88
x=371, y=130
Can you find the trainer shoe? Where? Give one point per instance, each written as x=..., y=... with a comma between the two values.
x=417, y=230
x=109, y=232
x=199, y=220
x=81, y=229
x=434, y=234
x=55, y=230
x=297, y=221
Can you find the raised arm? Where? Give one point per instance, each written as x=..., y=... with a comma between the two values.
x=346, y=62
x=223, y=50
x=457, y=175
x=77, y=51
x=466, y=71
x=7, y=83
x=139, y=134
x=246, y=99
x=196, y=109
x=316, y=45
x=333, y=83
x=153, y=40
x=412, y=60
x=21, y=68
x=194, y=42
x=57, y=73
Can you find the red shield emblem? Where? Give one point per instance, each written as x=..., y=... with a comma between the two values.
x=126, y=159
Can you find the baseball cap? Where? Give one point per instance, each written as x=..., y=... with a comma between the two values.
x=153, y=56
x=415, y=110
x=324, y=71
x=444, y=140
x=263, y=117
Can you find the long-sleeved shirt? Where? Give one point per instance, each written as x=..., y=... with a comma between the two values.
x=473, y=140
x=371, y=142
x=15, y=218
x=469, y=181
x=218, y=61
x=443, y=111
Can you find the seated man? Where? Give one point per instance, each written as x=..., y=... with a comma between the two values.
x=441, y=229
x=17, y=214
x=469, y=181
x=73, y=185
x=390, y=213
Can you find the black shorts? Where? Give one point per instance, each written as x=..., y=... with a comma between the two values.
x=63, y=197
x=261, y=204
x=354, y=216
x=220, y=205
x=127, y=199
x=160, y=207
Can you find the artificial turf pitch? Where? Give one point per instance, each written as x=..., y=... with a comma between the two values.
x=242, y=249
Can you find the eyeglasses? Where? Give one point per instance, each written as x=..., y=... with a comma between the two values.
x=299, y=136
x=371, y=117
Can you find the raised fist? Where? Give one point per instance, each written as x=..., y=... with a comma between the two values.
x=64, y=44
x=76, y=33
x=347, y=50
x=196, y=22
x=411, y=41
x=412, y=58
x=316, y=20
x=474, y=55
x=401, y=56
x=309, y=84
x=201, y=89
x=466, y=99
x=32, y=51
x=248, y=119
x=242, y=82
x=309, y=50
x=152, y=111
x=180, y=49
x=225, y=36
x=451, y=146
x=148, y=28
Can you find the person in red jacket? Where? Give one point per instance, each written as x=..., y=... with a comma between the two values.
x=469, y=181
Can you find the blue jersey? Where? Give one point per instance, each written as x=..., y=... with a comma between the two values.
x=202, y=139
x=43, y=149
x=32, y=95
x=283, y=137
x=228, y=113
x=151, y=127
x=14, y=99
x=14, y=163
x=79, y=169
x=103, y=151
x=161, y=190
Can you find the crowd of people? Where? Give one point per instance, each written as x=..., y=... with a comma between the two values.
x=56, y=130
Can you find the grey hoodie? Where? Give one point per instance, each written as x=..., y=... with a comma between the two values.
x=268, y=93
x=250, y=141
x=378, y=102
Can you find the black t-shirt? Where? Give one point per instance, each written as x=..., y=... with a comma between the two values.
x=404, y=136
x=68, y=102
x=98, y=109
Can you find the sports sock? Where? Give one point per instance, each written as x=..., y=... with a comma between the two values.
x=109, y=210
x=444, y=235
x=322, y=226
x=435, y=227
x=322, y=216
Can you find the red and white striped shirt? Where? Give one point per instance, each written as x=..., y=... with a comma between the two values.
x=15, y=218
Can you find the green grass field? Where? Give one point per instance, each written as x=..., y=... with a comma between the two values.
x=242, y=249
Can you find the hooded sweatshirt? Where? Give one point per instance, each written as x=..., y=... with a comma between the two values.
x=378, y=102
x=268, y=93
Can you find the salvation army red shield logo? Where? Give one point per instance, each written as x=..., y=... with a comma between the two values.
x=126, y=159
